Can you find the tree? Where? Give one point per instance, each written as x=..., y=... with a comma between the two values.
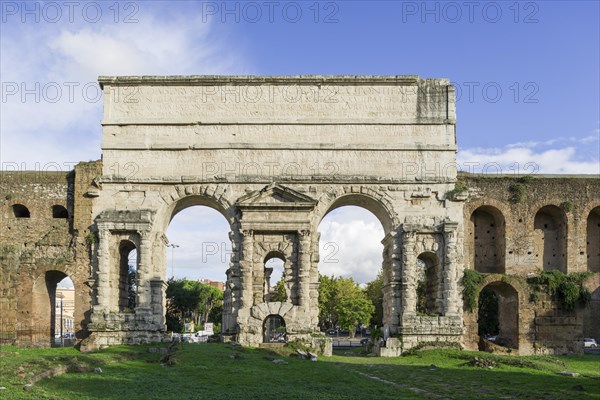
x=374, y=292
x=327, y=315
x=342, y=303
x=190, y=301
x=352, y=305
x=211, y=298
x=488, y=315
x=280, y=294
x=131, y=287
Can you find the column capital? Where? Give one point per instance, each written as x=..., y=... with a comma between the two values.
x=247, y=233
x=450, y=226
x=304, y=234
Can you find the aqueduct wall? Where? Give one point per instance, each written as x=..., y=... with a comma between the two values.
x=274, y=155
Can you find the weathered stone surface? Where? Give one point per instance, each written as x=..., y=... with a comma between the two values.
x=274, y=165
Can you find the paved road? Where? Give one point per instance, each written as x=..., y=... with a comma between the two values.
x=595, y=351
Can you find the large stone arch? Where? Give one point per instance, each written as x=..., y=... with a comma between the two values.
x=365, y=197
x=382, y=208
x=181, y=197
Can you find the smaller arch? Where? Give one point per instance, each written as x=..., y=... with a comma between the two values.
x=274, y=254
x=59, y=211
x=487, y=239
x=591, y=322
x=45, y=316
x=274, y=330
x=20, y=211
x=593, y=240
x=274, y=278
x=126, y=275
x=498, y=313
x=429, y=274
x=550, y=238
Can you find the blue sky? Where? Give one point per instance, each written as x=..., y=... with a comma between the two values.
x=527, y=72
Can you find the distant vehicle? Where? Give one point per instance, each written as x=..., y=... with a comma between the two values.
x=332, y=332
x=491, y=338
x=589, y=342
x=364, y=341
x=278, y=338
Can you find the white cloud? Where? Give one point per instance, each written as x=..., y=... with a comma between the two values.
x=580, y=156
x=350, y=244
x=202, y=235
x=60, y=122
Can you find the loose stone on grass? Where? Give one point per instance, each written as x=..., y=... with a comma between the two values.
x=568, y=373
x=482, y=363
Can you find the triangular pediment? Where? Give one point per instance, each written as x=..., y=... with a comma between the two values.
x=276, y=195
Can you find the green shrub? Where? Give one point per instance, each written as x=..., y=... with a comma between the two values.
x=459, y=187
x=471, y=281
x=518, y=190
x=568, y=206
x=566, y=288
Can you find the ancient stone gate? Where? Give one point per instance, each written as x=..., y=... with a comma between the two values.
x=274, y=155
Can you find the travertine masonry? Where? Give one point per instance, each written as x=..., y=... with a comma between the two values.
x=274, y=165
x=274, y=155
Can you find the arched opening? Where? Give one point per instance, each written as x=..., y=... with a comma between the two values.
x=59, y=211
x=20, y=211
x=498, y=314
x=275, y=288
x=274, y=330
x=199, y=261
x=593, y=240
x=550, y=238
x=53, y=308
x=591, y=322
x=350, y=264
x=127, y=275
x=64, y=313
x=429, y=277
x=486, y=239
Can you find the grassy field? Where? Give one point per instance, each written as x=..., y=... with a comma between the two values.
x=220, y=371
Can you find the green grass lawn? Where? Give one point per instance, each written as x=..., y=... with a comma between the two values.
x=208, y=371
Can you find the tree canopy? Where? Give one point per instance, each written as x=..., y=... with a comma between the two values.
x=342, y=303
x=191, y=301
x=374, y=291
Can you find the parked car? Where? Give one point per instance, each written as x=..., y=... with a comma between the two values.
x=364, y=341
x=589, y=342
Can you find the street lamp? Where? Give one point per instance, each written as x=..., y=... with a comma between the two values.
x=60, y=297
x=172, y=246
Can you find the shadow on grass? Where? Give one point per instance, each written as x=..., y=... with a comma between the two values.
x=218, y=371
